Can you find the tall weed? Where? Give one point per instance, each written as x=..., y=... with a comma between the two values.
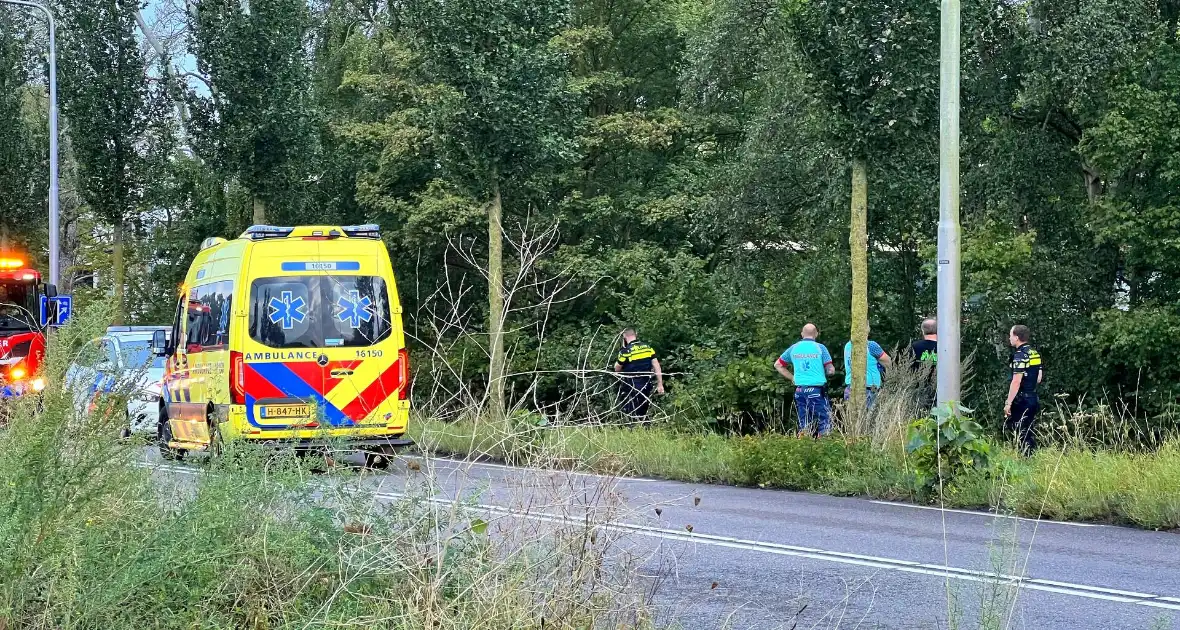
x=91, y=537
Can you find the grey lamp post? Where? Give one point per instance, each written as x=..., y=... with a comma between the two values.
x=949, y=232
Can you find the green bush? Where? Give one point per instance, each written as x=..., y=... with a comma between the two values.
x=879, y=472
x=779, y=461
x=733, y=394
x=944, y=445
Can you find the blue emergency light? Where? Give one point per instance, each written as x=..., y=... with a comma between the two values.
x=259, y=232
x=368, y=230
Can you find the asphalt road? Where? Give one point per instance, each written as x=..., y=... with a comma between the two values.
x=723, y=557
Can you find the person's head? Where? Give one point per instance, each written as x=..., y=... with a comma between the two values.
x=1018, y=336
x=930, y=328
x=629, y=335
x=809, y=331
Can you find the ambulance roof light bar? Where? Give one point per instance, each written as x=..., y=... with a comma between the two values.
x=260, y=232
x=368, y=230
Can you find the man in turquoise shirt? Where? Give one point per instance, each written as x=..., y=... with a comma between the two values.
x=876, y=359
x=808, y=364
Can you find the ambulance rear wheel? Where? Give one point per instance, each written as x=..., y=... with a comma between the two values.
x=378, y=459
x=163, y=437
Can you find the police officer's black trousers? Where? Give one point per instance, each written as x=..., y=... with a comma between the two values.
x=1024, y=414
x=636, y=394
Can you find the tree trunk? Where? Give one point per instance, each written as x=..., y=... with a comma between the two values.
x=858, y=242
x=1094, y=185
x=259, y=211
x=119, y=272
x=495, y=305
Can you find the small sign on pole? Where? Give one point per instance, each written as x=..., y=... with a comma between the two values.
x=65, y=308
x=56, y=311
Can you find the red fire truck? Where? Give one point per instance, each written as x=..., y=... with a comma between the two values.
x=22, y=327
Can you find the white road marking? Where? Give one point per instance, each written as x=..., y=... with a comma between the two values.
x=876, y=562
x=618, y=478
x=987, y=514
x=531, y=469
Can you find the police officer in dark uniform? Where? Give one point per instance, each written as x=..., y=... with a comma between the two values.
x=1023, y=404
x=637, y=363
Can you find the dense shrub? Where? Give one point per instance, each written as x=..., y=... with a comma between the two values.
x=946, y=444
x=793, y=463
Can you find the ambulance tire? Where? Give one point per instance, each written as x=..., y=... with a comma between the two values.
x=378, y=459
x=164, y=436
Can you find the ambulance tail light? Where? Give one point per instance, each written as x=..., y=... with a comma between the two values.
x=237, y=378
x=403, y=358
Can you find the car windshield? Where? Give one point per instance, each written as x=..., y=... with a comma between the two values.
x=138, y=355
x=16, y=306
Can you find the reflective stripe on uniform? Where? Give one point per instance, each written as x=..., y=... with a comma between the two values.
x=637, y=353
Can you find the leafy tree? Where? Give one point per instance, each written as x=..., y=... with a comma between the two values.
x=506, y=116
x=873, y=66
x=104, y=87
x=1137, y=213
x=256, y=122
x=21, y=152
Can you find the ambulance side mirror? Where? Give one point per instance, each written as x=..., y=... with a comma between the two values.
x=51, y=290
x=160, y=344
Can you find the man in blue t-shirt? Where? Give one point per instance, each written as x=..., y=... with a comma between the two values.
x=808, y=364
x=877, y=359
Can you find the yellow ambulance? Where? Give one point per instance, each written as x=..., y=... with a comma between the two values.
x=288, y=335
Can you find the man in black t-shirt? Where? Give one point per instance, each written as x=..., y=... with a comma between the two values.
x=1023, y=402
x=925, y=351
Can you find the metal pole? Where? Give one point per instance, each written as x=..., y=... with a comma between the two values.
x=54, y=216
x=949, y=298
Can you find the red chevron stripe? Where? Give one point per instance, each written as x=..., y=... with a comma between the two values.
x=385, y=386
x=259, y=387
x=320, y=378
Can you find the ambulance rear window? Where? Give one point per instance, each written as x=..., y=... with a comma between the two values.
x=319, y=311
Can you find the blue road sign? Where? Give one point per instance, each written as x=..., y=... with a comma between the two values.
x=63, y=307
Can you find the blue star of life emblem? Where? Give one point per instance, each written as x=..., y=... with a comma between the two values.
x=354, y=309
x=287, y=311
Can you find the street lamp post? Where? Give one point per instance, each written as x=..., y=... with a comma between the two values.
x=54, y=216
x=949, y=294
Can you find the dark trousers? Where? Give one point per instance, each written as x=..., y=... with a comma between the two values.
x=1024, y=414
x=636, y=397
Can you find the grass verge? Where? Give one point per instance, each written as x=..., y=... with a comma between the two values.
x=1073, y=483
x=91, y=537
